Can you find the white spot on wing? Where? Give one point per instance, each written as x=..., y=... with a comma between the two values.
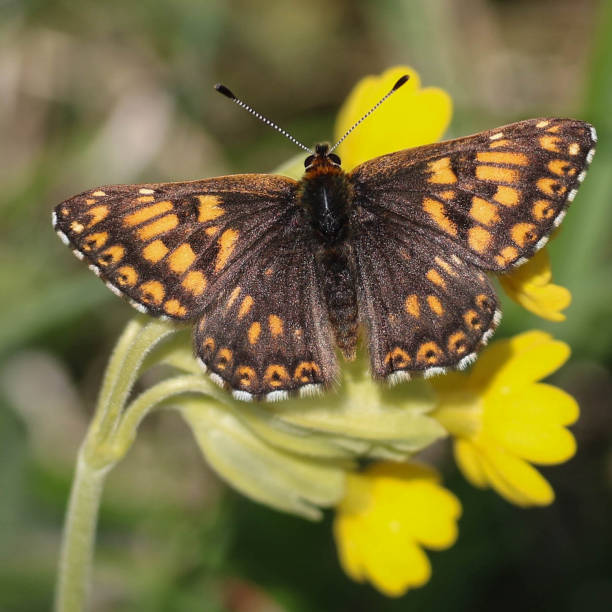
x=559, y=218
x=541, y=242
x=216, y=379
x=114, y=289
x=243, y=396
x=497, y=136
x=139, y=307
x=593, y=134
x=487, y=336
x=581, y=176
x=468, y=360
x=202, y=364
x=589, y=157
x=571, y=195
x=429, y=372
x=276, y=396
x=94, y=269
x=311, y=390
x=78, y=254
x=146, y=191
x=497, y=317
x=53, y=218
x=542, y=124
x=519, y=262
x=62, y=236
x=397, y=377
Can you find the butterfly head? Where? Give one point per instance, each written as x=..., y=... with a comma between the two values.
x=321, y=159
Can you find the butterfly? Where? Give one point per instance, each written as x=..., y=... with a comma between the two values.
x=280, y=275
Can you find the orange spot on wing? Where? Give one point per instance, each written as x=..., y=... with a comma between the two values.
x=155, y=251
x=457, y=343
x=429, y=353
x=441, y=171
x=483, y=211
x=435, y=305
x=227, y=243
x=508, y=196
x=97, y=214
x=224, y=359
x=306, y=372
x=523, y=233
x=275, y=323
x=437, y=212
x=479, y=238
x=503, y=157
x=254, y=332
x=126, y=276
x=497, y=174
x=412, y=306
x=233, y=296
x=161, y=226
x=397, y=358
x=146, y=213
x=550, y=143
x=247, y=304
x=496, y=144
x=276, y=376
x=152, y=292
x=195, y=282
x=95, y=241
x=246, y=376
x=560, y=167
x=506, y=255
x=111, y=256
x=208, y=208
x=445, y=266
x=434, y=277
x=181, y=258
x=175, y=308
x=543, y=209
x=551, y=187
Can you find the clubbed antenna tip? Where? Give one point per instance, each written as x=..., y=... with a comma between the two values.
x=400, y=82
x=222, y=89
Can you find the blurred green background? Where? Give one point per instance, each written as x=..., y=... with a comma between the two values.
x=93, y=93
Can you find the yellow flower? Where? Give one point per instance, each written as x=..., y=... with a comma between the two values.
x=530, y=287
x=503, y=419
x=415, y=116
x=410, y=117
x=389, y=513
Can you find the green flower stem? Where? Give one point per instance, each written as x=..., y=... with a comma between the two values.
x=109, y=437
x=78, y=539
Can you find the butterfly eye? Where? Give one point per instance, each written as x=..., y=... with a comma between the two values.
x=334, y=158
x=308, y=161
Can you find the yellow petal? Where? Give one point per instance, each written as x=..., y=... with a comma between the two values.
x=469, y=463
x=514, y=479
x=530, y=286
x=527, y=366
x=388, y=510
x=398, y=569
x=497, y=354
x=434, y=512
x=410, y=117
x=529, y=424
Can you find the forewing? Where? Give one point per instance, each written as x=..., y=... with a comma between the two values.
x=268, y=334
x=492, y=198
x=425, y=309
x=170, y=248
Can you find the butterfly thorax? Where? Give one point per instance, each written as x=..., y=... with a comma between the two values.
x=325, y=193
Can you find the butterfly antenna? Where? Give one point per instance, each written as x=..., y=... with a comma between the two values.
x=222, y=89
x=397, y=85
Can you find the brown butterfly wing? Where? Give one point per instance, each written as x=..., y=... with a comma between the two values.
x=171, y=247
x=424, y=308
x=492, y=198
